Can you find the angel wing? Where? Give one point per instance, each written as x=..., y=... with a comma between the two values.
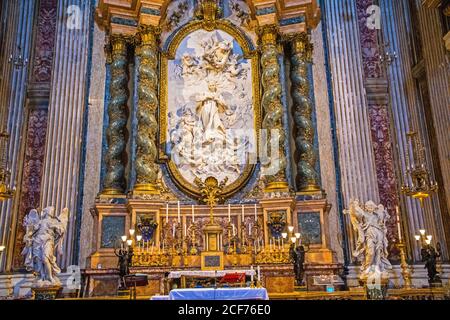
x=355, y=219
x=30, y=222
x=63, y=219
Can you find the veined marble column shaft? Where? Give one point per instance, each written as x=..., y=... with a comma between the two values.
x=66, y=116
x=356, y=155
x=146, y=166
x=359, y=178
x=396, y=25
x=301, y=57
x=18, y=33
x=275, y=170
x=114, y=183
x=437, y=115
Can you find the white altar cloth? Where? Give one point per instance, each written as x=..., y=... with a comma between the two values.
x=207, y=274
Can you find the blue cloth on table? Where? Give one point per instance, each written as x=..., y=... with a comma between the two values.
x=219, y=294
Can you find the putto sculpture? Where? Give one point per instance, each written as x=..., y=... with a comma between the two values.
x=369, y=221
x=44, y=235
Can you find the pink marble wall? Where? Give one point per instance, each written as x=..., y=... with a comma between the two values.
x=40, y=78
x=379, y=119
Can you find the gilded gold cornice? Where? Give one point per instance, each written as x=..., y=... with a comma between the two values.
x=151, y=11
x=272, y=11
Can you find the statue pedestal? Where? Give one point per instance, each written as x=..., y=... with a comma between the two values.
x=46, y=293
x=375, y=286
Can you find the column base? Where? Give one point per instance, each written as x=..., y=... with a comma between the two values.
x=112, y=192
x=46, y=293
x=277, y=186
x=148, y=188
x=311, y=188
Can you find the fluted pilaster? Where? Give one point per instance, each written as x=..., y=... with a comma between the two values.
x=301, y=58
x=274, y=169
x=18, y=32
x=114, y=183
x=67, y=107
x=146, y=166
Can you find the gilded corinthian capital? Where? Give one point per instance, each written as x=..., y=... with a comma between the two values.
x=301, y=58
x=147, y=168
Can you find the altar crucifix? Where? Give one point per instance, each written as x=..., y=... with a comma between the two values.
x=211, y=192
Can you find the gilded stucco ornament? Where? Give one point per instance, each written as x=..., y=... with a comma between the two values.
x=148, y=102
x=118, y=115
x=301, y=58
x=209, y=12
x=274, y=169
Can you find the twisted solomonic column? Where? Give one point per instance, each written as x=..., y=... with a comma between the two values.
x=114, y=183
x=146, y=156
x=274, y=169
x=301, y=58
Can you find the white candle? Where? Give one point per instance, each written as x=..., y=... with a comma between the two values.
x=259, y=273
x=256, y=213
x=179, y=212
x=243, y=214
x=229, y=212
x=251, y=275
x=398, y=224
x=193, y=214
x=234, y=230
x=167, y=212
x=185, y=230
x=173, y=230
x=249, y=229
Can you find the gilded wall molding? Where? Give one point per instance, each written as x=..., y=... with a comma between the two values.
x=169, y=54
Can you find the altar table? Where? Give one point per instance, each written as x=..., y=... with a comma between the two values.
x=219, y=294
x=208, y=274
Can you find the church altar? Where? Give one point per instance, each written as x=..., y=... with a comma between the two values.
x=213, y=191
x=208, y=274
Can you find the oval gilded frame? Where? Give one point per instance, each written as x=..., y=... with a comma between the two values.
x=170, y=54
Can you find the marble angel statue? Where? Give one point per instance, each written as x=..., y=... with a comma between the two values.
x=44, y=235
x=369, y=222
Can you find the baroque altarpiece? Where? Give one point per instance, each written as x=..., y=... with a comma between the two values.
x=214, y=188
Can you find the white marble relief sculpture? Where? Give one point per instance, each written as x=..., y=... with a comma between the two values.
x=210, y=116
x=43, y=240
